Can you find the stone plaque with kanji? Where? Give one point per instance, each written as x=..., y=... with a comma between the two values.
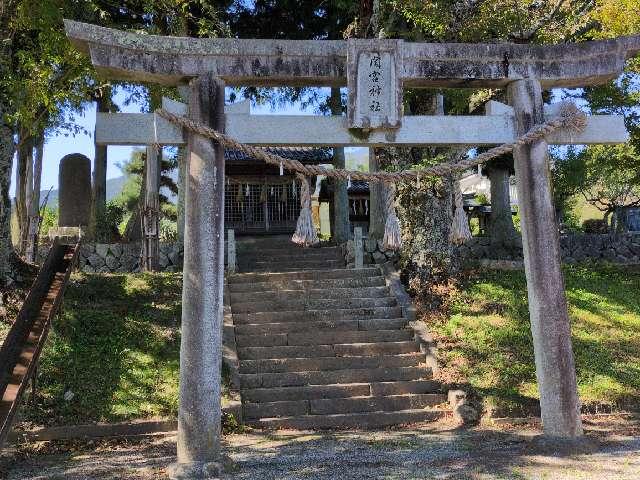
x=375, y=89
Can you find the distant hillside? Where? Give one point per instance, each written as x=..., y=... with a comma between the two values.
x=114, y=185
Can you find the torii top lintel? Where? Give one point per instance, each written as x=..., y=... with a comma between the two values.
x=175, y=60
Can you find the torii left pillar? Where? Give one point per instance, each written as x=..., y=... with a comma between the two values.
x=199, y=411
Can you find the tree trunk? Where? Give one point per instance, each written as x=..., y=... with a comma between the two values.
x=25, y=160
x=33, y=203
x=502, y=230
x=7, y=148
x=99, y=205
x=341, y=232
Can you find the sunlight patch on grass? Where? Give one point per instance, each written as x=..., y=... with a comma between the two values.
x=487, y=339
x=115, y=348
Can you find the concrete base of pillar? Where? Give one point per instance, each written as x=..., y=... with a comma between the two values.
x=563, y=446
x=195, y=471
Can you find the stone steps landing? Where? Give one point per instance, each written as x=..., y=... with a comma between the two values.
x=270, y=255
x=324, y=346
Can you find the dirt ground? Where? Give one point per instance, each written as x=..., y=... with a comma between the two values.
x=429, y=452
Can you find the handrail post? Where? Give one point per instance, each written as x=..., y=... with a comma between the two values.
x=231, y=251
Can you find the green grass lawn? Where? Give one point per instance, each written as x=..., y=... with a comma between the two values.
x=115, y=346
x=484, y=339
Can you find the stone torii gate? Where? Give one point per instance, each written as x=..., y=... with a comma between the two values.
x=375, y=72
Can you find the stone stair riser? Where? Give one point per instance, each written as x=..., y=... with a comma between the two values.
x=334, y=406
x=320, y=326
x=323, y=338
x=285, y=253
x=302, y=285
x=330, y=363
x=276, y=394
x=316, y=315
x=308, y=295
x=336, y=350
x=303, y=304
x=303, y=275
x=292, y=379
x=308, y=392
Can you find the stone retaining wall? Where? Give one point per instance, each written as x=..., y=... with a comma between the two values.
x=620, y=248
x=125, y=257
x=373, y=253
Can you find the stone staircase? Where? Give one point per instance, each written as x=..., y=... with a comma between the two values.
x=322, y=346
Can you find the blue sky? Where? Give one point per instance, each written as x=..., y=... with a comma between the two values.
x=59, y=145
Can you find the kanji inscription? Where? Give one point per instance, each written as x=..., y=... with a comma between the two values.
x=374, y=86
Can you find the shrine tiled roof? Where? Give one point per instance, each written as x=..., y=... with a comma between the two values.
x=306, y=155
x=358, y=186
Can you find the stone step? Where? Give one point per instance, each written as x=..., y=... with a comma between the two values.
x=314, y=294
x=270, y=252
x=321, y=326
x=404, y=387
x=323, y=338
x=304, y=304
x=279, y=241
x=303, y=275
x=336, y=350
x=350, y=420
x=310, y=392
x=316, y=315
x=305, y=285
x=279, y=265
x=287, y=269
x=332, y=406
x=330, y=363
x=292, y=379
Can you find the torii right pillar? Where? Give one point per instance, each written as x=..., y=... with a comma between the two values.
x=555, y=367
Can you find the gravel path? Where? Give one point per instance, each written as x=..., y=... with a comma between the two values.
x=431, y=452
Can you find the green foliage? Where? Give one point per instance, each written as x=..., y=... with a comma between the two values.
x=482, y=199
x=107, y=227
x=49, y=220
x=607, y=176
x=168, y=231
x=486, y=339
x=116, y=347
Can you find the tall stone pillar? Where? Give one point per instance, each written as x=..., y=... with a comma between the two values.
x=502, y=232
x=151, y=212
x=377, y=207
x=74, y=200
x=340, y=229
x=199, y=410
x=341, y=232
x=555, y=369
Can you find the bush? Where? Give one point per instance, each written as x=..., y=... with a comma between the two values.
x=594, y=226
x=168, y=231
x=49, y=220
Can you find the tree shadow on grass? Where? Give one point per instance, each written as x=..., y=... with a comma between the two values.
x=114, y=352
x=491, y=332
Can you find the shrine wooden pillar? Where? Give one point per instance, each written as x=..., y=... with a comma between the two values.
x=199, y=413
x=555, y=369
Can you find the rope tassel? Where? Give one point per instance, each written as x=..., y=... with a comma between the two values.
x=460, y=232
x=392, y=239
x=305, y=233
